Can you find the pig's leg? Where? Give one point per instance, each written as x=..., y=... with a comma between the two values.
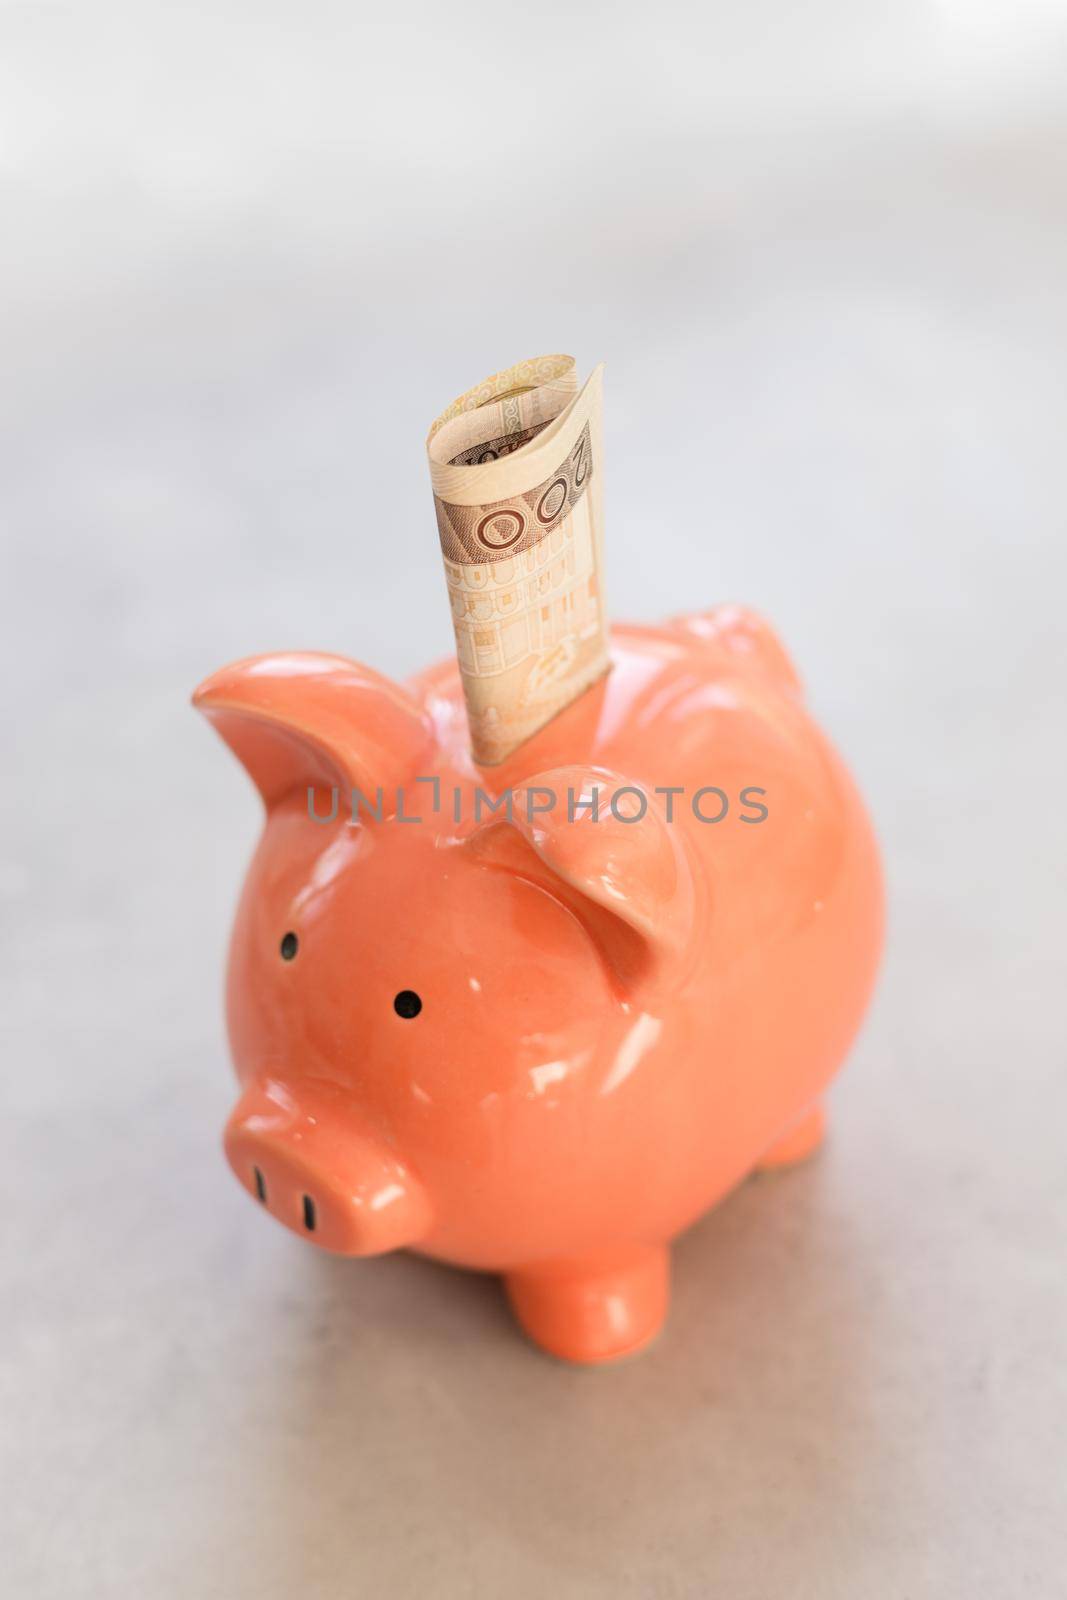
x=594, y=1310
x=802, y=1141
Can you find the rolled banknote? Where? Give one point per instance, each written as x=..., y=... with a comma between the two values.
x=517, y=472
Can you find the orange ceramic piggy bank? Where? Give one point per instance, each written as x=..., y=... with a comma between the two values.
x=541, y=1039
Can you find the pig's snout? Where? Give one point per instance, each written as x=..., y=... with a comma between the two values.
x=313, y=1168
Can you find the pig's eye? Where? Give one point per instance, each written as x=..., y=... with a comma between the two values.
x=289, y=946
x=407, y=1004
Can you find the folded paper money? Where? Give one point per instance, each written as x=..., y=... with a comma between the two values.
x=517, y=470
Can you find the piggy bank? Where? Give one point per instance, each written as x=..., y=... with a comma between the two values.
x=536, y=1019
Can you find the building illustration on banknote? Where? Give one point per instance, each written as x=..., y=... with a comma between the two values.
x=516, y=470
x=529, y=614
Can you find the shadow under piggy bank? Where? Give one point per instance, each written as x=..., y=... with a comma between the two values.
x=425, y=1453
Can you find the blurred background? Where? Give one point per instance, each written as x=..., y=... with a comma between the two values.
x=249, y=251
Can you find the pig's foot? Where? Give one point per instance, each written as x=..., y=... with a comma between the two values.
x=592, y=1311
x=802, y=1141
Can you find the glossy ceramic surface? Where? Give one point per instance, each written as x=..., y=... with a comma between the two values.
x=619, y=1018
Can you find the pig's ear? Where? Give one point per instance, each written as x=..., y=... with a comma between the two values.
x=614, y=858
x=311, y=719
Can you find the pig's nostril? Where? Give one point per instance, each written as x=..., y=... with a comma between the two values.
x=261, y=1187
x=309, y=1213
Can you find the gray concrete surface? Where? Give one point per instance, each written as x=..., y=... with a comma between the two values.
x=248, y=251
